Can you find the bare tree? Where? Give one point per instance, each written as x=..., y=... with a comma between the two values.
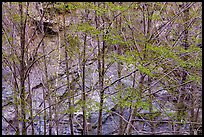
x=101, y=68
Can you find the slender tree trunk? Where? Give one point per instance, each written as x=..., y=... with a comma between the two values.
x=192, y=116
x=119, y=50
x=48, y=93
x=130, y=120
x=120, y=88
x=16, y=89
x=149, y=20
x=31, y=106
x=133, y=111
x=186, y=19
x=99, y=75
x=68, y=83
x=45, y=112
x=144, y=18
x=22, y=72
x=180, y=105
x=47, y=83
x=83, y=88
x=83, y=80
x=140, y=86
x=16, y=103
x=101, y=66
x=46, y=78
x=56, y=83
x=56, y=116
x=151, y=107
x=101, y=95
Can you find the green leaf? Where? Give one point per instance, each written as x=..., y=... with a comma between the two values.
x=156, y=15
x=145, y=70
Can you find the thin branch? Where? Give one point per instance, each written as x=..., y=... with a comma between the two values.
x=164, y=77
x=34, y=33
x=126, y=121
x=30, y=66
x=171, y=87
x=167, y=23
x=9, y=123
x=125, y=76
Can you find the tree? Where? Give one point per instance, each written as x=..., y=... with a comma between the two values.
x=22, y=67
x=68, y=83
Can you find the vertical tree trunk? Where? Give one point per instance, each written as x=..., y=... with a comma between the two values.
x=99, y=74
x=31, y=106
x=192, y=116
x=22, y=70
x=16, y=89
x=186, y=19
x=128, y=127
x=46, y=77
x=120, y=88
x=45, y=112
x=48, y=93
x=83, y=87
x=119, y=50
x=83, y=79
x=68, y=83
x=147, y=34
x=56, y=83
x=180, y=105
x=101, y=66
x=151, y=106
x=56, y=116
x=101, y=94
x=16, y=102
x=46, y=81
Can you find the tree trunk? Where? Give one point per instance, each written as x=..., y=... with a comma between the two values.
x=119, y=50
x=68, y=83
x=128, y=128
x=147, y=35
x=31, y=106
x=47, y=82
x=180, y=105
x=83, y=79
x=16, y=94
x=99, y=130
x=16, y=89
x=101, y=66
x=192, y=116
x=45, y=112
x=22, y=72
x=83, y=88
x=151, y=107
